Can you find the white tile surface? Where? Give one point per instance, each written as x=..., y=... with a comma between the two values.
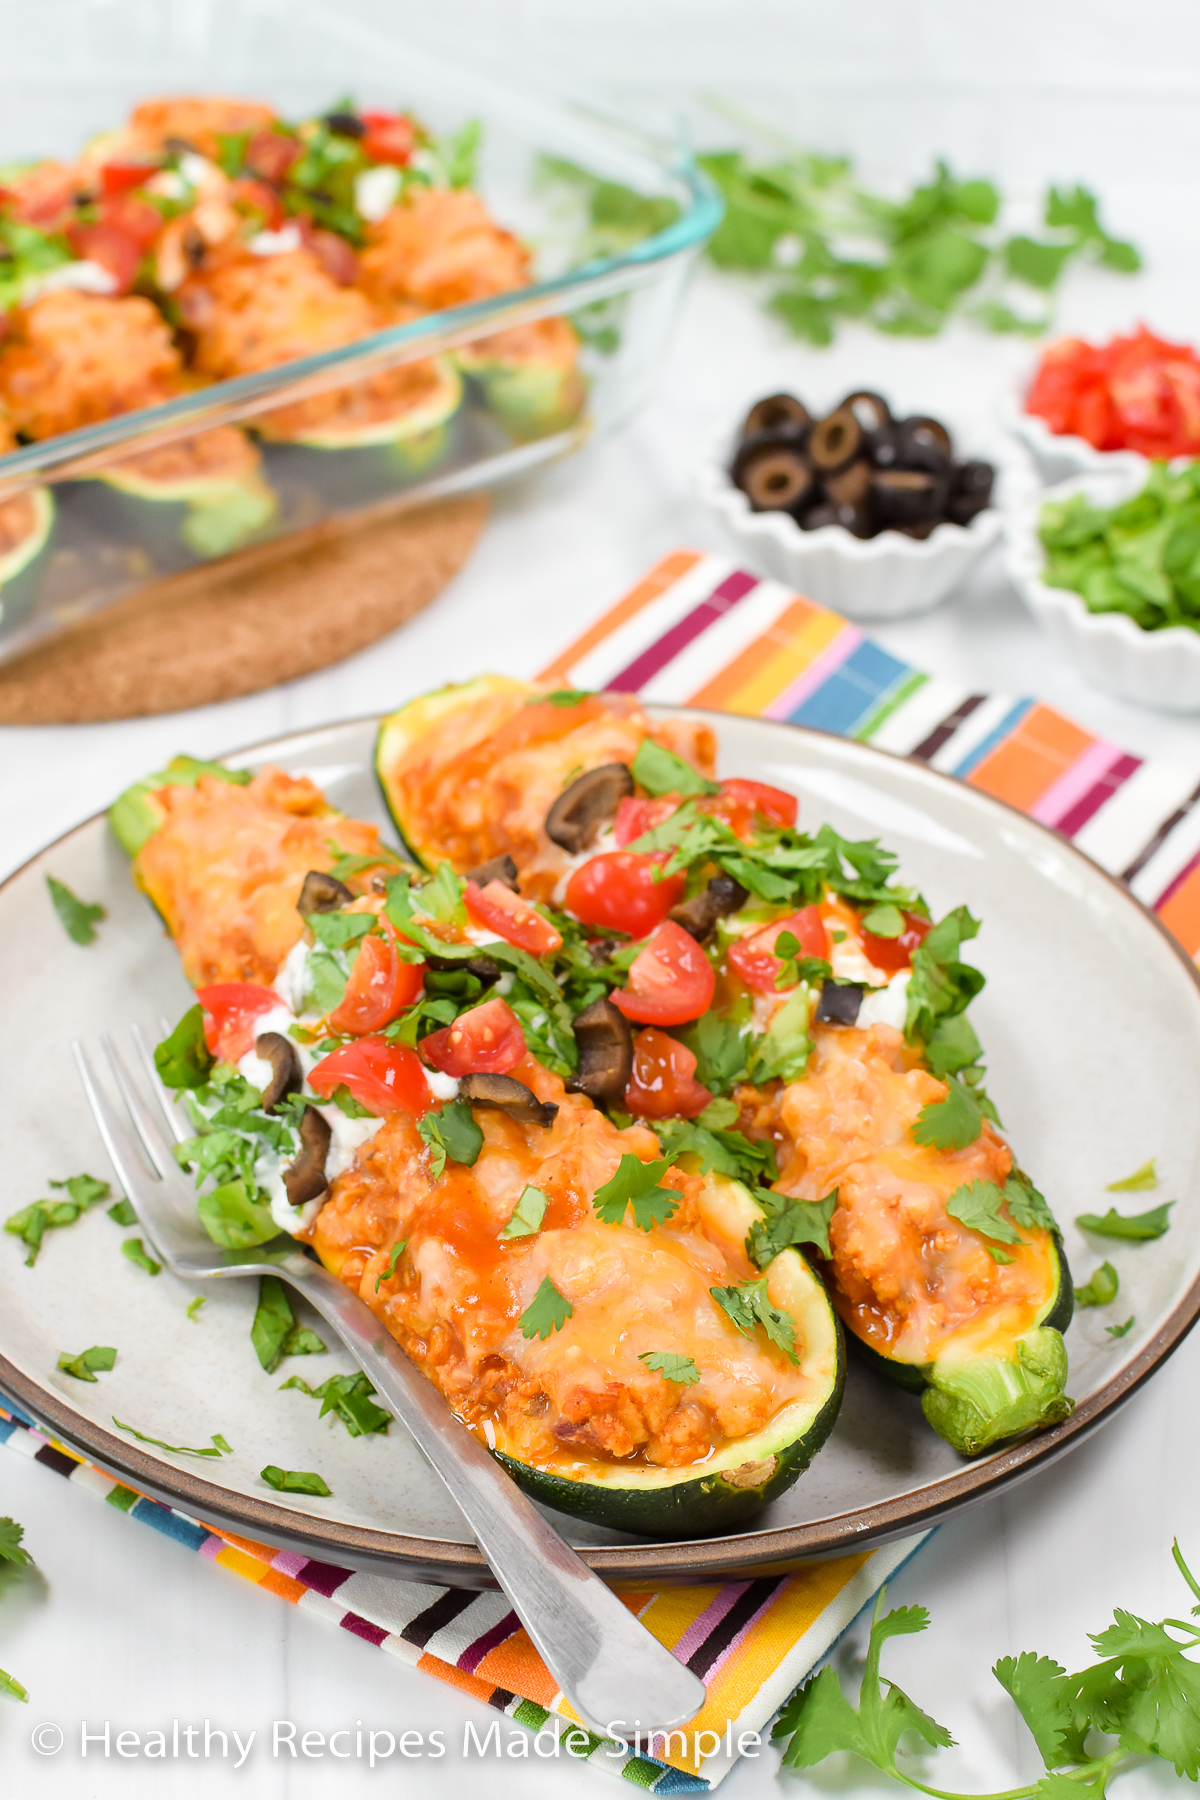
x=124, y=1625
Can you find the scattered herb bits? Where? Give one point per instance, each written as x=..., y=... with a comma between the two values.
x=79, y=918
x=84, y=1366
x=295, y=1481
x=1141, y=558
x=858, y=467
x=1138, y=1227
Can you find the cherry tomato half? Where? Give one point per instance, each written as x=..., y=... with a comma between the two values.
x=740, y=799
x=670, y=981
x=119, y=177
x=380, y=986
x=133, y=215
x=498, y=909
x=260, y=198
x=664, y=1082
x=754, y=955
x=230, y=1009
x=488, y=1040
x=383, y=1077
x=114, y=250
x=890, y=955
x=617, y=890
x=271, y=154
x=388, y=138
x=634, y=816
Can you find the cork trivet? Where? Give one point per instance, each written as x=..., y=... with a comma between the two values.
x=262, y=616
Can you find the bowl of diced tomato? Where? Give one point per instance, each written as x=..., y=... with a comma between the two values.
x=1136, y=396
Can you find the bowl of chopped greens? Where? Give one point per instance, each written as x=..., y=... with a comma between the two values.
x=1109, y=564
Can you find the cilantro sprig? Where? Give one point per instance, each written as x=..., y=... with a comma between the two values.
x=976, y=1204
x=12, y=1553
x=79, y=918
x=789, y=1224
x=747, y=1306
x=671, y=1366
x=1135, y=1227
x=639, y=1186
x=1142, y=1698
x=527, y=1215
x=450, y=1132
x=546, y=1313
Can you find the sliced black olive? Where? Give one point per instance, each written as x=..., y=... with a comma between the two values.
x=774, y=476
x=859, y=521
x=923, y=529
x=500, y=868
x=286, y=1076
x=883, y=447
x=346, y=124
x=907, y=496
x=839, y=1003
x=778, y=412
x=970, y=491
x=507, y=1095
x=482, y=967
x=305, y=1178
x=835, y=441
x=871, y=410
x=605, y=1045
x=851, y=486
x=322, y=893
x=923, y=444
x=583, y=810
x=824, y=513
x=699, y=914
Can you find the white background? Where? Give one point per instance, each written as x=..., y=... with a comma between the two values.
x=124, y=1625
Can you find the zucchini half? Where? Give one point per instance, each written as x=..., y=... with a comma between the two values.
x=977, y=1395
x=401, y=730
x=740, y=1479
x=208, y=510
x=136, y=815
x=529, y=377
x=30, y=522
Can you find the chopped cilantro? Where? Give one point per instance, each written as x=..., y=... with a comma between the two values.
x=10, y=1544
x=728, y=1152
x=671, y=1367
x=720, y=1051
x=547, y=1312
x=977, y=1204
x=32, y=1222
x=335, y=930
x=193, y=1307
x=1137, y=1183
x=295, y=1481
x=660, y=771
x=274, y=1332
x=561, y=697
x=748, y=1305
x=783, y=1050
x=387, y=1274
x=788, y=1223
x=137, y=1253
x=451, y=1132
x=639, y=1185
x=83, y=1367
x=345, y=1102
x=219, y=1446
x=79, y=918
x=884, y=921
x=952, y=1123
x=346, y=864
x=1140, y=1227
x=1120, y=1331
x=348, y=1398
x=235, y=1219
x=527, y=1215
x=941, y=986
x=183, y=1059
x=122, y=1214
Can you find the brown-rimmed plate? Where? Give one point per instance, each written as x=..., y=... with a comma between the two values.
x=1091, y=1026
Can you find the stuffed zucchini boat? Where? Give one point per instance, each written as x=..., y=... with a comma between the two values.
x=848, y=1050
x=585, y=1302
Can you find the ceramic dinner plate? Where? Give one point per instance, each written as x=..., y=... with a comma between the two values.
x=1091, y=1028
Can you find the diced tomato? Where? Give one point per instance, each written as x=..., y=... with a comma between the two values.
x=748, y=798
x=334, y=254
x=134, y=216
x=488, y=1040
x=119, y=177
x=617, y=890
x=664, y=1084
x=890, y=955
x=388, y=138
x=114, y=250
x=670, y=980
x=1134, y=393
x=230, y=1009
x=271, y=154
x=258, y=197
x=496, y=908
x=634, y=817
x=383, y=1077
x=380, y=986
x=754, y=955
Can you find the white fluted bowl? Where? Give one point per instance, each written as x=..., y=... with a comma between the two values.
x=1061, y=456
x=870, y=579
x=1153, y=668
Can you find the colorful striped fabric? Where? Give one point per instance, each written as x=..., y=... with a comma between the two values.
x=700, y=632
x=751, y=1642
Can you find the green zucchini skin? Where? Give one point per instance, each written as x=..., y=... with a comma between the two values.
x=703, y=1507
x=133, y=816
x=979, y=1434
x=21, y=570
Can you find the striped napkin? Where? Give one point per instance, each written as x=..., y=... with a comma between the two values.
x=751, y=1642
x=700, y=632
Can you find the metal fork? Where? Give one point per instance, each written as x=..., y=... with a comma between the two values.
x=612, y=1670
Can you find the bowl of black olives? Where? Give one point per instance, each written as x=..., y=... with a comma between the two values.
x=874, y=515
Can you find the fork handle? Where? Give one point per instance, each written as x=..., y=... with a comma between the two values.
x=614, y=1673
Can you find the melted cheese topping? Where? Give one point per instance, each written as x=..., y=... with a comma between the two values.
x=479, y=781
x=907, y=1276
x=226, y=867
x=456, y=1302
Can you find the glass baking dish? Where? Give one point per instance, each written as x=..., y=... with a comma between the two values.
x=73, y=68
